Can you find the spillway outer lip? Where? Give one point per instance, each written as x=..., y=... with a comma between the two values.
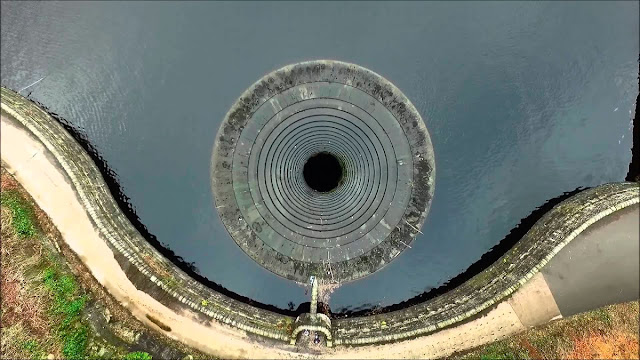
x=303, y=76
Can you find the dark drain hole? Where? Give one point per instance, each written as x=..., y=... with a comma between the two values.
x=322, y=172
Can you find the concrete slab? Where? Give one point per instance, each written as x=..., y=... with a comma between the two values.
x=600, y=266
x=533, y=303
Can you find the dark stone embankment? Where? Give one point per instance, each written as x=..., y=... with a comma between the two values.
x=634, y=167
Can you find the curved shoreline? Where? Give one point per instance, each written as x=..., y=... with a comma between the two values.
x=88, y=218
x=149, y=285
x=123, y=201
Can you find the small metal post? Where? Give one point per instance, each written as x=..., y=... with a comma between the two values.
x=314, y=295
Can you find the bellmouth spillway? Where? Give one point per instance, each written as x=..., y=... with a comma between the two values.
x=383, y=166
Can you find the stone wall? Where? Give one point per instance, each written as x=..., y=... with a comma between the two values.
x=150, y=272
x=545, y=239
x=143, y=264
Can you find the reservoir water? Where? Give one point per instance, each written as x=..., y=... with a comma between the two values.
x=523, y=101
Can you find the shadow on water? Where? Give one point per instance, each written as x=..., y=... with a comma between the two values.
x=634, y=167
x=124, y=203
x=485, y=261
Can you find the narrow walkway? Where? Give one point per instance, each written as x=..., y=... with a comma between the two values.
x=600, y=266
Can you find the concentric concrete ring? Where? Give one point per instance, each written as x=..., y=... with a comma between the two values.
x=380, y=143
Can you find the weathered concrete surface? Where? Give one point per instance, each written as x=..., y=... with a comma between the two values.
x=534, y=304
x=599, y=267
x=369, y=126
x=497, y=324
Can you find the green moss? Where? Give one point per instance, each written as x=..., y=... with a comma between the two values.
x=502, y=351
x=33, y=348
x=138, y=355
x=169, y=281
x=63, y=289
x=68, y=305
x=285, y=323
x=22, y=213
x=602, y=315
x=30, y=345
x=75, y=343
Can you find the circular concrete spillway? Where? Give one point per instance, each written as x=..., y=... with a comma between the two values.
x=325, y=169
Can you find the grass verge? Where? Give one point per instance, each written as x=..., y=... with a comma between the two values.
x=42, y=302
x=51, y=306
x=22, y=215
x=610, y=332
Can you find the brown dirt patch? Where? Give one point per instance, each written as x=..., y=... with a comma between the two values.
x=532, y=350
x=617, y=345
x=10, y=297
x=7, y=181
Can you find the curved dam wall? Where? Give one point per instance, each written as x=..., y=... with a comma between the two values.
x=143, y=264
x=155, y=278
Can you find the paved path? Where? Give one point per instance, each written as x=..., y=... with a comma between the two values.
x=600, y=266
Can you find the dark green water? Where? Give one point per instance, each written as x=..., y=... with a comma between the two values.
x=524, y=101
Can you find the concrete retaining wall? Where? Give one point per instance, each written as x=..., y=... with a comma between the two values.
x=143, y=264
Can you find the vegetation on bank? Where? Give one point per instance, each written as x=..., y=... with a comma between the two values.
x=137, y=355
x=51, y=318
x=610, y=332
x=43, y=303
x=22, y=216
